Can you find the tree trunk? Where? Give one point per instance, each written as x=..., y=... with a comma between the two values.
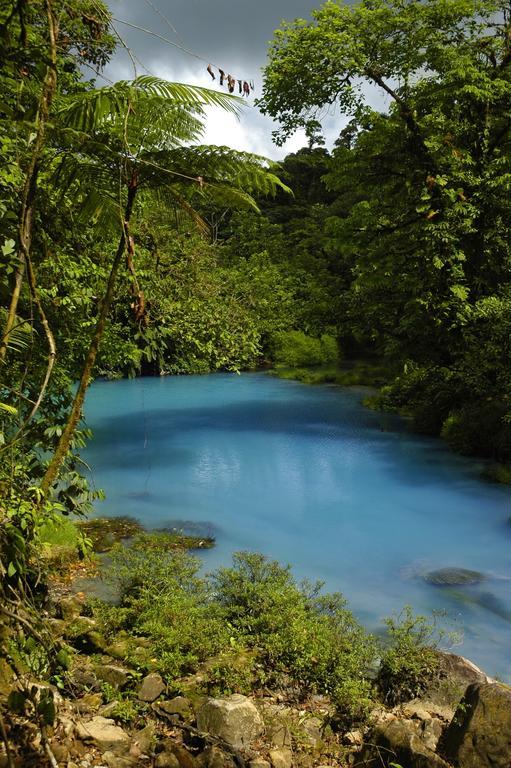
x=76, y=410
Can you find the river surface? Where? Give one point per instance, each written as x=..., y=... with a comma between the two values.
x=308, y=476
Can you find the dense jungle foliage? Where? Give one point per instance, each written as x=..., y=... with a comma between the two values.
x=127, y=247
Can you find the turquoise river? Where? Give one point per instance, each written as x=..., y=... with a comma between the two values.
x=310, y=477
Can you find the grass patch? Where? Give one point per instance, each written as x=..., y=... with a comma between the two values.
x=355, y=373
x=62, y=542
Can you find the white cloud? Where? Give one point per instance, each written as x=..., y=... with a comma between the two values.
x=250, y=132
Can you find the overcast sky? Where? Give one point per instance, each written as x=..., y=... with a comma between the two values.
x=231, y=35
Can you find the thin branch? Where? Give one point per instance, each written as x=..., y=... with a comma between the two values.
x=5, y=739
x=47, y=748
x=52, y=354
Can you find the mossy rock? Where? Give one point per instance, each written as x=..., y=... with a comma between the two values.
x=448, y=577
x=104, y=532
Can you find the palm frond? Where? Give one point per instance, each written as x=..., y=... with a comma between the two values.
x=94, y=187
x=19, y=335
x=189, y=95
x=91, y=110
x=228, y=196
x=102, y=208
x=211, y=165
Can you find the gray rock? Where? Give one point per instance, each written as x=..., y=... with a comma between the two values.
x=234, y=719
x=214, y=757
x=398, y=741
x=58, y=627
x=118, y=761
x=432, y=731
x=166, y=760
x=180, y=705
x=259, y=763
x=278, y=733
x=281, y=758
x=85, y=679
x=89, y=703
x=415, y=710
x=354, y=738
x=152, y=686
x=115, y=676
x=444, y=577
x=107, y=710
x=80, y=626
x=454, y=675
x=312, y=731
x=87, y=640
x=184, y=758
x=143, y=741
x=479, y=735
x=103, y=734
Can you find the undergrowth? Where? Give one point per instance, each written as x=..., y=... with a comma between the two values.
x=244, y=628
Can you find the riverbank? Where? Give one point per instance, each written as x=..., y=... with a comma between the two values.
x=149, y=681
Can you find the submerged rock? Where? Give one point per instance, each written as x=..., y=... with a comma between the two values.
x=453, y=576
x=104, y=532
x=486, y=600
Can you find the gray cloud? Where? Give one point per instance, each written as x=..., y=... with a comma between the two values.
x=232, y=35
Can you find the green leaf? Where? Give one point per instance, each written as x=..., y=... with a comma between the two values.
x=8, y=247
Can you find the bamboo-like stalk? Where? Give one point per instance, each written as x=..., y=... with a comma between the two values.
x=75, y=414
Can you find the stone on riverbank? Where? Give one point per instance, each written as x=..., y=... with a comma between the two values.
x=152, y=686
x=234, y=719
x=479, y=735
x=398, y=741
x=103, y=734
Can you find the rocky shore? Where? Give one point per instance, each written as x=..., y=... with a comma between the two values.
x=104, y=709
x=462, y=720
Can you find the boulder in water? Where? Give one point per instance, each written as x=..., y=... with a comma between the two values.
x=448, y=577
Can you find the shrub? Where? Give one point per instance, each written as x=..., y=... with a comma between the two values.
x=295, y=349
x=309, y=640
x=244, y=626
x=409, y=661
x=163, y=598
x=479, y=428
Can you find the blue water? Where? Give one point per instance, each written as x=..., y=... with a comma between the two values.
x=310, y=477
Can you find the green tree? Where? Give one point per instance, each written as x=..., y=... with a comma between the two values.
x=137, y=133
x=422, y=212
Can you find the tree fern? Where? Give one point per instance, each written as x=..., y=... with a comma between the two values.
x=93, y=109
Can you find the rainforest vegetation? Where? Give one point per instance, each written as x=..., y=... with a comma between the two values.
x=129, y=248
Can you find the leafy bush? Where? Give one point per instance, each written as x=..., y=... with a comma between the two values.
x=164, y=599
x=409, y=662
x=295, y=348
x=306, y=639
x=427, y=393
x=244, y=626
x=479, y=428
